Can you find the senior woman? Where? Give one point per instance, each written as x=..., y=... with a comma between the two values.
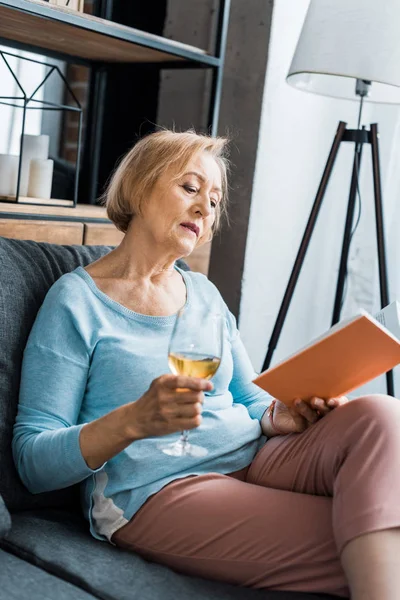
x=314, y=508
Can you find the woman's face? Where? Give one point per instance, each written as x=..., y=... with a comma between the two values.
x=181, y=212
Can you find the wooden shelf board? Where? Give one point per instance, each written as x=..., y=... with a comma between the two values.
x=71, y=33
x=43, y=201
x=80, y=211
x=42, y=231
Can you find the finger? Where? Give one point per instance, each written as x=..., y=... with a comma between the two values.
x=305, y=411
x=188, y=411
x=300, y=422
x=188, y=423
x=334, y=402
x=174, y=382
x=186, y=397
x=320, y=405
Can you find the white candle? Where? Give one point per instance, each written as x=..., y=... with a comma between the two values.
x=34, y=146
x=40, y=178
x=8, y=174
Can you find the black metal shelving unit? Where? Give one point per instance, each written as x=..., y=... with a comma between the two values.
x=17, y=17
x=102, y=45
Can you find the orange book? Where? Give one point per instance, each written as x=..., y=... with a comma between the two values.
x=347, y=356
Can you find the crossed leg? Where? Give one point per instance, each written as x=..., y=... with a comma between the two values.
x=283, y=522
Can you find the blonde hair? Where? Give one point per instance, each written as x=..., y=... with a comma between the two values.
x=138, y=171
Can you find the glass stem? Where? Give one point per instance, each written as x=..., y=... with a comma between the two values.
x=184, y=437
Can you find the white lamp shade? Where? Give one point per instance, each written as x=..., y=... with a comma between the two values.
x=345, y=40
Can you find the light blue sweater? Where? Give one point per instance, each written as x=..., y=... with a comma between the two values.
x=87, y=355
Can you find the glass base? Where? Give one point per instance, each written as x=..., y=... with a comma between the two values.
x=183, y=448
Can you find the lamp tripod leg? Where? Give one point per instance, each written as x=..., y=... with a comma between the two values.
x=347, y=235
x=380, y=237
x=304, y=245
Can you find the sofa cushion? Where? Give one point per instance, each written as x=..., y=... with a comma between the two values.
x=59, y=542
x=5, y=519
x=19, y=580
x=27, y=270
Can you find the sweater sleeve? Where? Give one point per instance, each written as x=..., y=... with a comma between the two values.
x=242, y=388
x=54, y=373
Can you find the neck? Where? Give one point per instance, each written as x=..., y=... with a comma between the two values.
x=139, y=258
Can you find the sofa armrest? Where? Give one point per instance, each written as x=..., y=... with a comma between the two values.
x=5, y=519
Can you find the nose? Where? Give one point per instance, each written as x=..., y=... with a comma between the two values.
x=203, y=206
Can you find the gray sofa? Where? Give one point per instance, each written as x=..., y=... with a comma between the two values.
x=46, y=550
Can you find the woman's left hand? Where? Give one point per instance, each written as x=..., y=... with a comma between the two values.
x=301, y=415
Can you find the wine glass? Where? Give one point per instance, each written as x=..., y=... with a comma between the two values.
x=195, y=350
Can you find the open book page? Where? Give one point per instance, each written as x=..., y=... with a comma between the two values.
x=389, y=317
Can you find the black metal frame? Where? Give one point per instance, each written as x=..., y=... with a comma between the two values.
x=37, y=217
x=44, y=105
x=359, y=137
x=216, y=88
x=99, y=69
x=66, y=4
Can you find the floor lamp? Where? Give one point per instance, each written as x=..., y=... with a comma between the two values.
x=347, y=49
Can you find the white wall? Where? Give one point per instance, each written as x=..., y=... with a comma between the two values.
x=297, y=131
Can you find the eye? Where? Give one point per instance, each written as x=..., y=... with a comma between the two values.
x=213, y=203
x=190, y=189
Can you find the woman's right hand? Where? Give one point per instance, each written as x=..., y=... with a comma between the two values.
x=172, y=403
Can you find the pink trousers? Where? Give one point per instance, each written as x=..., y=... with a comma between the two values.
x=282, y=522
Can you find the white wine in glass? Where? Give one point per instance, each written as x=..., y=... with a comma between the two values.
x=193, y=364
x=195, y=350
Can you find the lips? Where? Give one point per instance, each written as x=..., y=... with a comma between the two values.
x=192, y=227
